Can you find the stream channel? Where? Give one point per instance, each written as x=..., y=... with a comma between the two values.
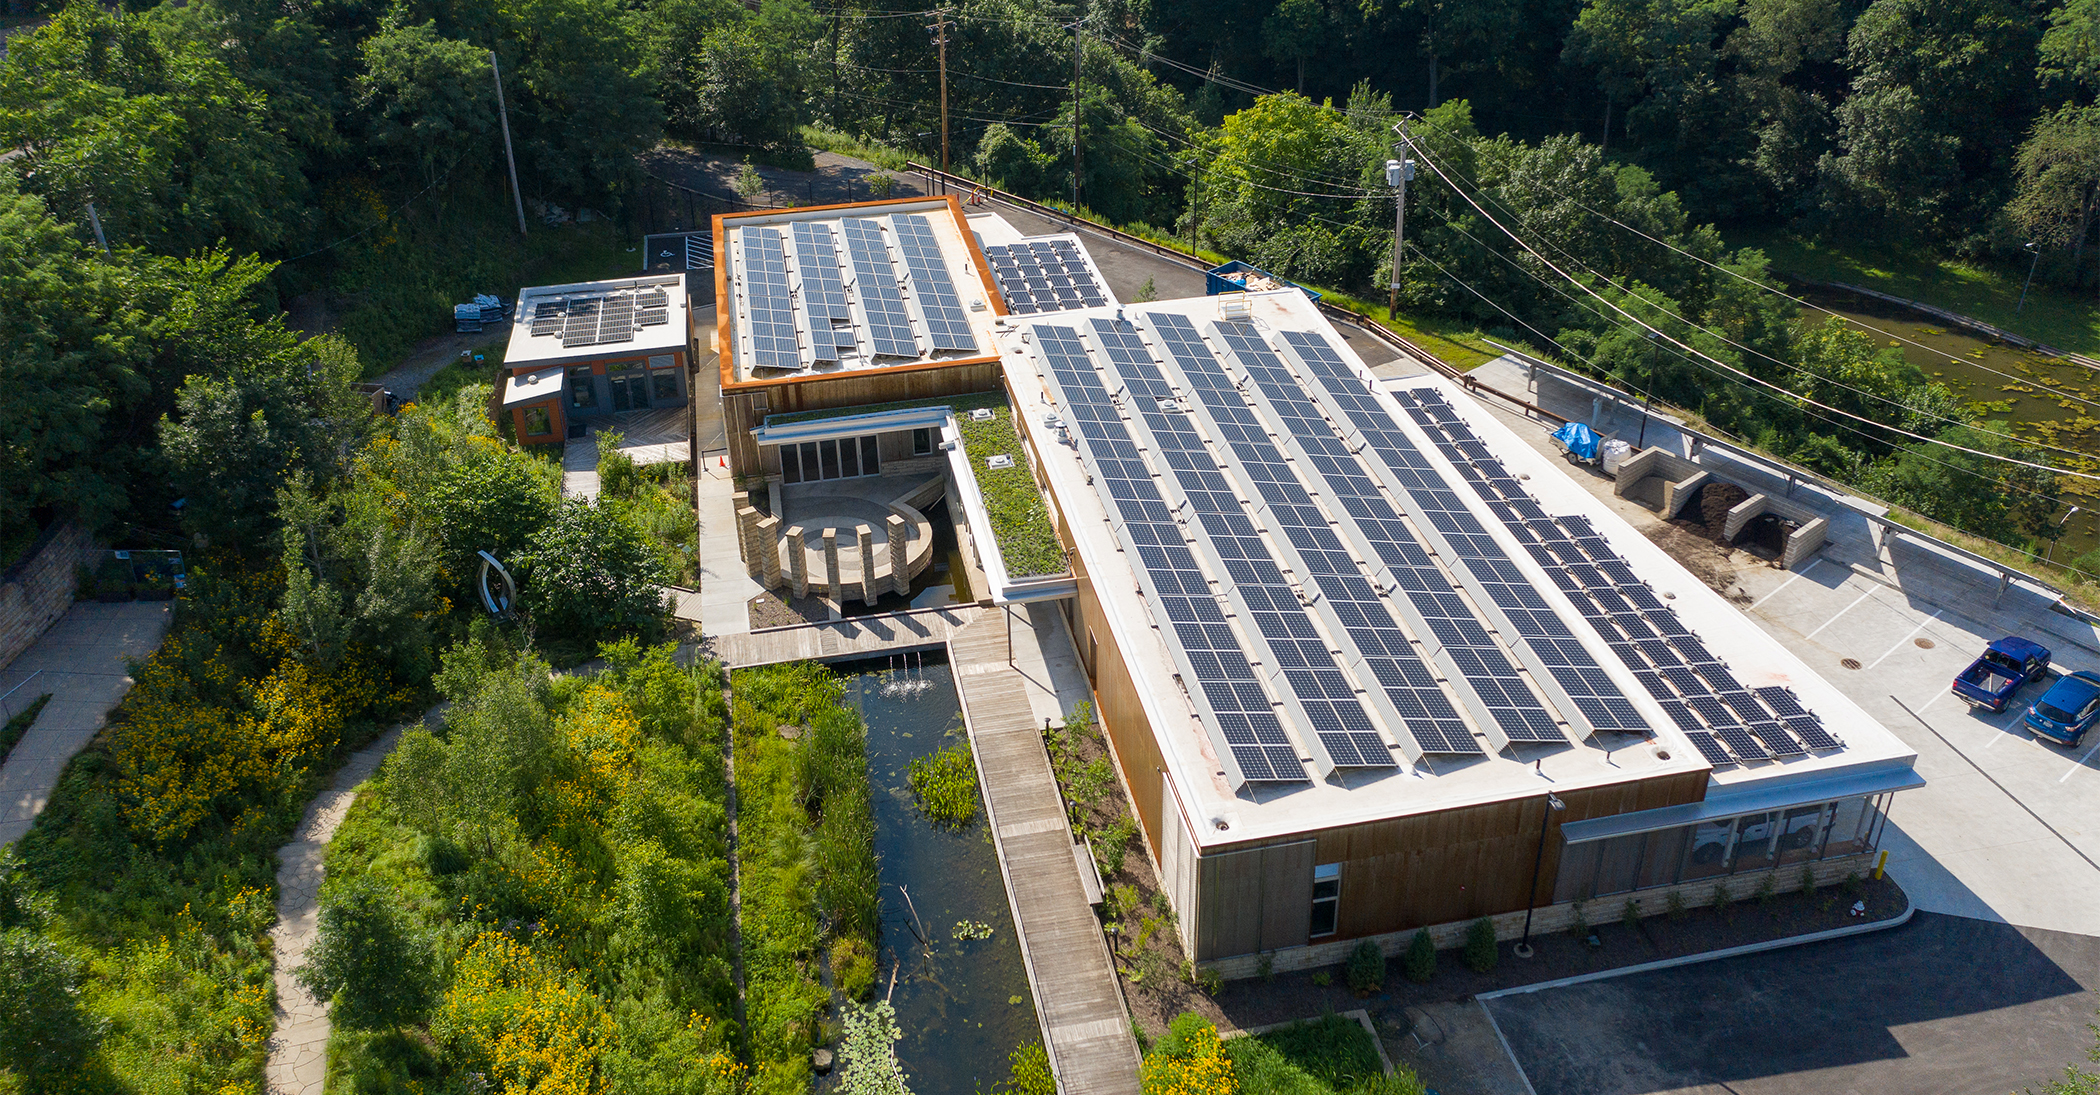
x=962, y=1004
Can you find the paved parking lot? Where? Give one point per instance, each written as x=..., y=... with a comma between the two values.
x=1991, y=988
x=1944, y=1004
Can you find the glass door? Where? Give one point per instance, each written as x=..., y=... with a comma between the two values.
x=630, y=392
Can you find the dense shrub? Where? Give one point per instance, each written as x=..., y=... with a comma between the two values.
x=376, y=969
x=807, y=868
x=1421, y=957
x=1188, y=1061
x=1481, y=953
x=590, y=576
x=1365, y=970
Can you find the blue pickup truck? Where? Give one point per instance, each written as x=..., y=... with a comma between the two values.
x=1991, y=680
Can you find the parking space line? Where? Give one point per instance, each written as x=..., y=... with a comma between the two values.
x=2080, y=766
x=2075, y=850
x=1798, y=575
x=1840, y=612
x=1899, y=642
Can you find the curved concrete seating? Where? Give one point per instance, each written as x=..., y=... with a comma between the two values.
x=856, y=519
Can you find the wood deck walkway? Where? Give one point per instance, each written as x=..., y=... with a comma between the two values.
x=845, y=638
x=1070, y=972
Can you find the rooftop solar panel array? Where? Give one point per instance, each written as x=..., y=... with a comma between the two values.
x=826, y=315
x=875, y=283
x=1551, y=642
x=1044, y=276
x=1224, y=679
x=947, y=325
x=770, y=310
x=1727, y=722
x=1322, y=689
x=1361, y=614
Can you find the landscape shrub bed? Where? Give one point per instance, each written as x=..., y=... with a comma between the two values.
x=557, y=852
x=154, y=864
x=806, y=866
x=1330, y=1055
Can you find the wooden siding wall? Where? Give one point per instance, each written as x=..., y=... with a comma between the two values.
x=745, y=406
x=1442, y=867
x=1259, y=899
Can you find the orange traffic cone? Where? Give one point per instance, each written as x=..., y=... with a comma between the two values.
x=721, y=461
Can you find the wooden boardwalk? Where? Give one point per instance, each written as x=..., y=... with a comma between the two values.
x=1077, y=999
x=854, y=635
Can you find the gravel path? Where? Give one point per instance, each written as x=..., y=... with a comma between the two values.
x=298, y=1048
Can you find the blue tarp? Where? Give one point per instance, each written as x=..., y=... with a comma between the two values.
x=1578, y=439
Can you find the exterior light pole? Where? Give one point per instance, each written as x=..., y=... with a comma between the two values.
x=2065, y=520
x=2036, y=250
x=1554, y=805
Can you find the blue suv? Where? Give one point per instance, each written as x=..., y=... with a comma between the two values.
x=2067, y=710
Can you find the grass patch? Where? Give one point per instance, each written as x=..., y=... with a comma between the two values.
x=1330, y=1055
x=19, y=725
x=2064, y=319
x=946, y=786
x=807, y=874
x=860, y=148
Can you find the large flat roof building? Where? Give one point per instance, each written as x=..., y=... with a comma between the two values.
x=1347, y=635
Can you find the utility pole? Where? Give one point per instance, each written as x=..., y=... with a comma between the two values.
x=1397, y=173
x=940, y=39
x=1076, y=25
x=1195, y=201
x=837, y=15
x=517, y=197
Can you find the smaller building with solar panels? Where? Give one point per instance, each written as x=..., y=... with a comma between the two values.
x=847, y=305
x=1369, y=662
x=592, y=349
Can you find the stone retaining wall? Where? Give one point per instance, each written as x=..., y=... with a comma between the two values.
x=37, y=591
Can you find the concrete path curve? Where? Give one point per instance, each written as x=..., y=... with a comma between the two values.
x=298, y=1048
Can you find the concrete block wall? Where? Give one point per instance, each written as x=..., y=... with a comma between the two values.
x=1548, y=919
x=1679, y=494
x=36, y=592
x=1804, y=542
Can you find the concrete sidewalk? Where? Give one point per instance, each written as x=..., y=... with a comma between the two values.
x=83, y=659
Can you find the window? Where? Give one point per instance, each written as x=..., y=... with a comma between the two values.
x=664, y=385
x=922, y=441
x=834, y=458
x=537, y=422
x=662, y=361
x=1327, y=899
x=583, y=391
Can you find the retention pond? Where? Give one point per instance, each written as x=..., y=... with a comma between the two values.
x=962, y=1001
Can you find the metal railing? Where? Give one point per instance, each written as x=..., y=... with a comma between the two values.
x=14, y=701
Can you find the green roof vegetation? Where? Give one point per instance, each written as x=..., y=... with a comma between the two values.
x=1020, y=520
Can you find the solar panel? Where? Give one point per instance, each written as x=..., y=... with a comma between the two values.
x=1044, y=276
x=1222, y=676
x=767, y=303
x=826, y=317
x=947, y=325
x=875, y=283
x=1323, y=691
x=1404, y=679
x=1683, y=663
x=1570, y=665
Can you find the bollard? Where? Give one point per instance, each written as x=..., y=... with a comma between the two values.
x=1880, y=864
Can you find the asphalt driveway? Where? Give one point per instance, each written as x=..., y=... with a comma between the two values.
x=1945, y=1004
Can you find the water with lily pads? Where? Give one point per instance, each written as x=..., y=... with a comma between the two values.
x=962, y=994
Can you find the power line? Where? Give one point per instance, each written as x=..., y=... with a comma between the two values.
x=1746, y=376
